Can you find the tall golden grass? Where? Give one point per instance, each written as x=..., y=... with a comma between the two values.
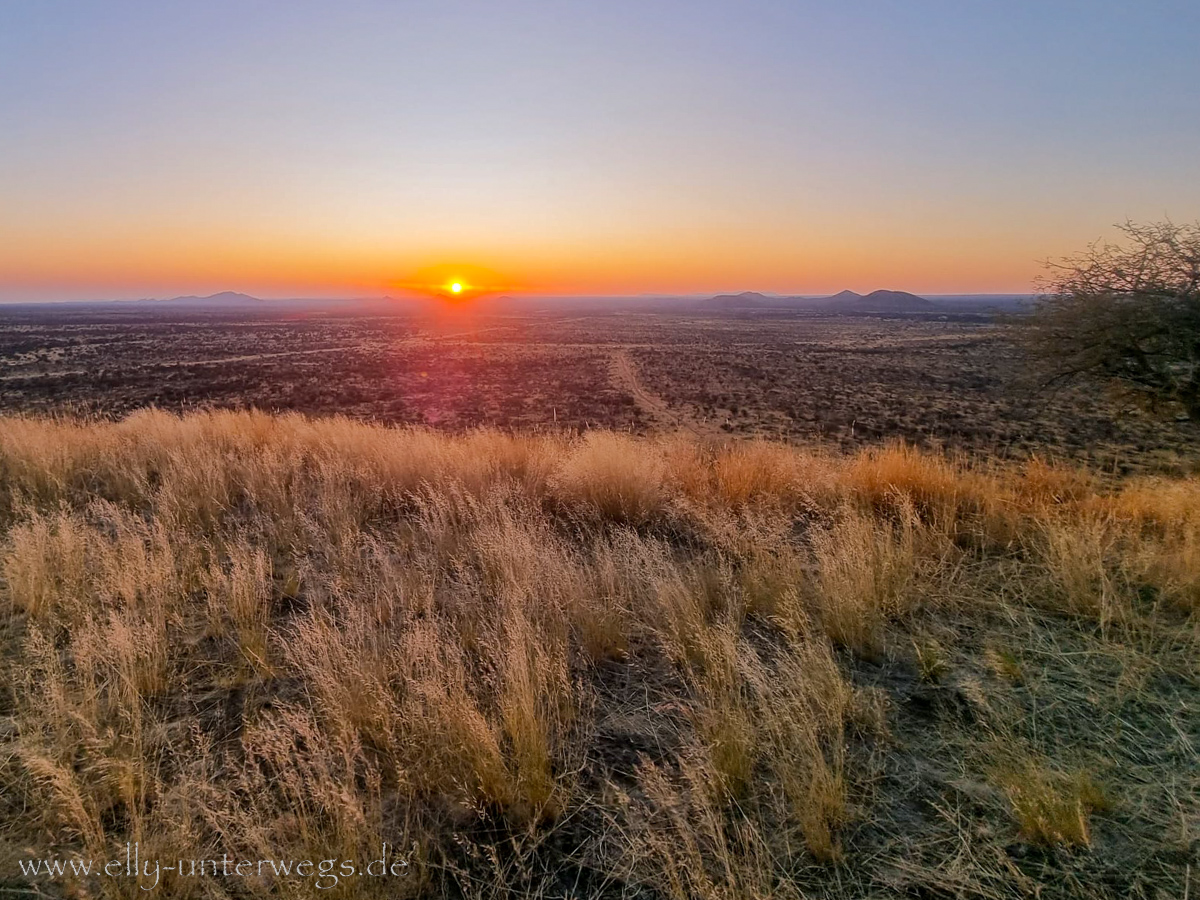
x=288, y=637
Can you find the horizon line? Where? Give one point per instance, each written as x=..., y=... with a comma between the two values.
x=522, y=295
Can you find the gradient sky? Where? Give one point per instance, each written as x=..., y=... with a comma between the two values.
x=350, y=148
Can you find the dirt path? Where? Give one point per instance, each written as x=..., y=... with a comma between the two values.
x=625, y=374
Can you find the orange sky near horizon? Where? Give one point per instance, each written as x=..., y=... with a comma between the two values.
x=157, y=264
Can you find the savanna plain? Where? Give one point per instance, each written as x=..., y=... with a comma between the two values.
x=653, y=605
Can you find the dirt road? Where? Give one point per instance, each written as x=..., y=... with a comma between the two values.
x=625, y=375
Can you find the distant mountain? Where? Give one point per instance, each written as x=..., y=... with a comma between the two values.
x=844, y=301
x=843, y=297
x=225, y=298
x=891, y=301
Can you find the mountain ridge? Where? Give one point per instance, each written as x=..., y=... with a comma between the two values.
x=876, y=301
x=221, y=298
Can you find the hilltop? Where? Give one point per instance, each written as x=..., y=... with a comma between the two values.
x=592, y=666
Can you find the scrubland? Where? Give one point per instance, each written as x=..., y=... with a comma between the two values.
x=593, y=665
x=844, y=382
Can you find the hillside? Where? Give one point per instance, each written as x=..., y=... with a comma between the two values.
x=892, y=301
x=587, y=666
x=843, y=297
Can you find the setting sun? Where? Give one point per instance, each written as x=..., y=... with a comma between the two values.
x=456, y=288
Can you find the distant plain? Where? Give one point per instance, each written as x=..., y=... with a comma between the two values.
x=945, y=381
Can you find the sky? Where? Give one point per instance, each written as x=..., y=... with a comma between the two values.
x=289, y=148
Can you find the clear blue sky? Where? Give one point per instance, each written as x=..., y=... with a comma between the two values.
x=283, y=148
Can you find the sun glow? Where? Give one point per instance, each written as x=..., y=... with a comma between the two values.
x=457, y=281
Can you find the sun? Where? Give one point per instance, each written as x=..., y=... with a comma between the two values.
x=457, y=282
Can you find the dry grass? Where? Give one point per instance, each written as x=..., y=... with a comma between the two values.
x=625, y=665
x=1052, y=808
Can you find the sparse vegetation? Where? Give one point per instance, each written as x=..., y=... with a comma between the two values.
x=937, y=381
x=599, y=666
x=1126, y=314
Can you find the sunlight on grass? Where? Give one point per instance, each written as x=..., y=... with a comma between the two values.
x=283, y=636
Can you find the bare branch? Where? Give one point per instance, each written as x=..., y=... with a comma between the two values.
x=1126, y=312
